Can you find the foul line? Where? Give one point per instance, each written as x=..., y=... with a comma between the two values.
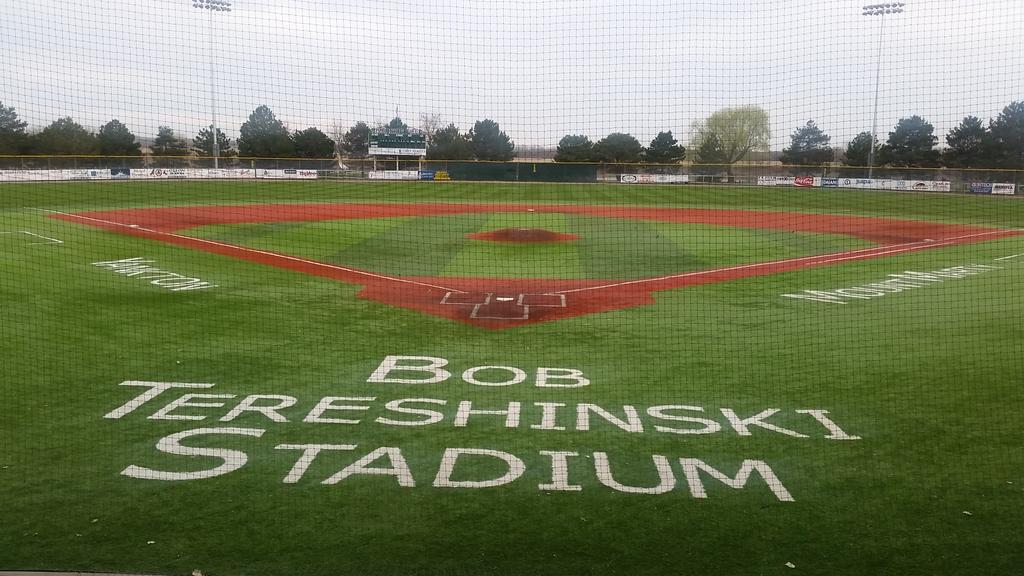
x=1008, y=257
x=255, y=251
x=820, y=258
x=51, y=240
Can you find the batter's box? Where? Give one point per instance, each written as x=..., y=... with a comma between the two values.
x=542, y=300
x=502, y=308
x=467, y=298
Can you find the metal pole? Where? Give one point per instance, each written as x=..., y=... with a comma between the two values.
x=874, y=121
x=213, y=93
x=878, y=10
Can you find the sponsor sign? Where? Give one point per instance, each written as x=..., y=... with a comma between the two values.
x=654, y=178
x=28, y=175
x=885, y=184
x=981, y=187
x=427, y=174
x=377, y=151
x=803, y=181
x=830, y=182
x=160, y=173
x=776, y=181
x=928, y=186
x=152, y=174
x=1000, y=188
x=287, y=174
x=394, y=174
x=84, y=175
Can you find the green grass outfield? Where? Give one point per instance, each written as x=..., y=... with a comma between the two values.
x=930, y=379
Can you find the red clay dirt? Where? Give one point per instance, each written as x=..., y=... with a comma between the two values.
x=505, y=303
x=522, y=236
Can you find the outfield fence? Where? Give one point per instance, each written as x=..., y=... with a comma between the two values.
x=952, y=180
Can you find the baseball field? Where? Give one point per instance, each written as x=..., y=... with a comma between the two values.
x=342, y=378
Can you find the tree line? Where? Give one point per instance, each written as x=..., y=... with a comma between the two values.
x=725, y=137
x=263, y=135
x=731, y=134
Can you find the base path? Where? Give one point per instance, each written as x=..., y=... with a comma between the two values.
x=506, y=303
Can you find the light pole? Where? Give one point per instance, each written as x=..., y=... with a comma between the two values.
x=878, y=10
x=213, y=6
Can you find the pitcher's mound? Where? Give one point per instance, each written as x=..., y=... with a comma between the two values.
x=522, y=235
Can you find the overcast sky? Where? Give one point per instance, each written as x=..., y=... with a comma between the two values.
x=541, y=68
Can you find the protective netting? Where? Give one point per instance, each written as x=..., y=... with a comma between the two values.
x=530, y=288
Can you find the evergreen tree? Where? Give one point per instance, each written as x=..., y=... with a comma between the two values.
x=66, y=137
x=264, y=136
x=1006, y=148
x=858, y=150
x=397, y=124
x=115, y=139
x=449, y=144
x=618, y=148
x=203, y=143
x=809, y=146
x=967, y=144
x=489, y=142
x=167, y=143
x=911, y=144
x=356, y=142
x=312, y=143
x=574, y=148
x=13, y=139
x=664, y=149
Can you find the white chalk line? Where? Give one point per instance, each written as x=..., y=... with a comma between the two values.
x=1008, y=257
x=256, y=251
x=49, y=240
x=820, y=258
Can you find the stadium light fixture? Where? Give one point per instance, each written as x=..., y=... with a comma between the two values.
x=213, y=6
x=878, y=10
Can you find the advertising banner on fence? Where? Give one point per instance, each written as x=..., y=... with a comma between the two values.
x=776, y=181
x=1000, y=188
x=981, y=188
x=394, y=174
x=654, y=178
x=287, y=174
x=921, y=185
x=85, y=174
x=803, y=181
x=154, y=174
x=864, y=183
x=160, y=173
x=26, y=175
x=830, y=182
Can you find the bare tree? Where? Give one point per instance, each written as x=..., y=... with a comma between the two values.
x=430, y=123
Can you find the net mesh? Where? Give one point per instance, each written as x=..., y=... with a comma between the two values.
x=535, y=287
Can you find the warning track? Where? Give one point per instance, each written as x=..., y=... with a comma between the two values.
x=505, y=303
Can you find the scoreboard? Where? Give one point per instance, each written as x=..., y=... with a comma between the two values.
x=392, y=142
